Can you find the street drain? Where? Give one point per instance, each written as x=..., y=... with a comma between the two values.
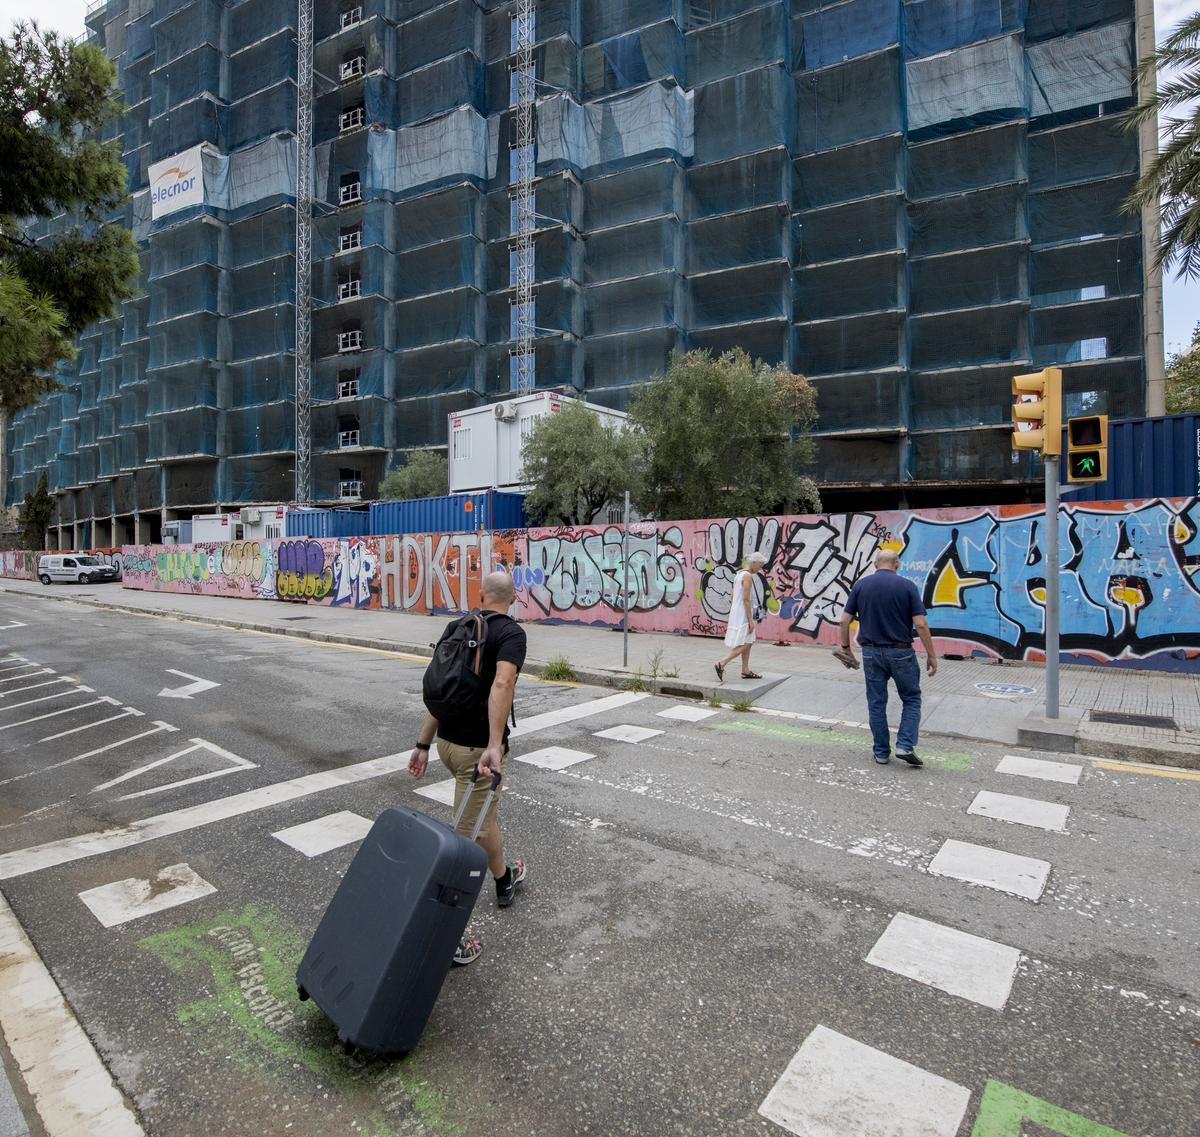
x=297, y=617
x=1126, y=718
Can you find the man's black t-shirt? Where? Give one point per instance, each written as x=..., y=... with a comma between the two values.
x=504, y=643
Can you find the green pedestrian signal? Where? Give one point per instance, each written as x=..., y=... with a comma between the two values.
x=1085, y=465
x=1087, y=448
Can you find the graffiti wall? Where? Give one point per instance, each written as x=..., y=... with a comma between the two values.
x=1130, y=575
x=22, y=564
x=337, y=573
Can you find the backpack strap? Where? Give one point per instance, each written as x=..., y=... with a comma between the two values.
x=482, y=618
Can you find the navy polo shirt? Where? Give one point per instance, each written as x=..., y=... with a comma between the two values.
x=885, y=604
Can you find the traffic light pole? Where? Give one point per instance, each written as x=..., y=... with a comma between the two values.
x=1052, y=581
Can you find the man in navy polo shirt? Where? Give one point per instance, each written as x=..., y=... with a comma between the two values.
x=889, y=608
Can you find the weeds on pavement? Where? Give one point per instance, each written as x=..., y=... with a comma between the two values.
x=558, y=668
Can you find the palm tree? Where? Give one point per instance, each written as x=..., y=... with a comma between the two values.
x=1173, y=178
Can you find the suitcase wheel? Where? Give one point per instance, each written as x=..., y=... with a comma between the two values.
x=301, y=993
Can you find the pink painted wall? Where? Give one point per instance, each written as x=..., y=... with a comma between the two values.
x=1130, y=590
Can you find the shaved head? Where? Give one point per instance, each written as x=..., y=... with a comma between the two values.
x=887, y=559
x=497, y=590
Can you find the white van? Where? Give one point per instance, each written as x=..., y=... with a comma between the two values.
x=74, y=568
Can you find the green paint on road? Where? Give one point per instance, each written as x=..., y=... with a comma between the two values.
x=253, y=1013
x=1003, y=1109
x=773, y=729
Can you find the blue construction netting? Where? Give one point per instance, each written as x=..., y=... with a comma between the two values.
x=904, y=199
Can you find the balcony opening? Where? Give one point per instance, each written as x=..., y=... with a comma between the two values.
x=349, y=286
x=349, y=434
x=353, y=118
x=350, y=339
x=352, y=16
x=350, y=484
x=350, y=188
x=350, y=238
x=353, y=68
x=347, y=383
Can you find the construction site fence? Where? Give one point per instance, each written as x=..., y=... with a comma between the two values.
x=1130, y=593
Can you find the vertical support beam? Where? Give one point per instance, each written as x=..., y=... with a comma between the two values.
x=1052, y=585
x=1152, y=287
x=625, y=588
x=304, y=145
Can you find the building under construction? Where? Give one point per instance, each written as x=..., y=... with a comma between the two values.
x=906, y=201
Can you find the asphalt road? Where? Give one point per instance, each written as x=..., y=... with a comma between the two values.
x=698, y=918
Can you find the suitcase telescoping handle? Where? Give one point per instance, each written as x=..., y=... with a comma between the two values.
x=487, y=802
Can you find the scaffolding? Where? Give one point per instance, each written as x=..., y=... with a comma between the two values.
x=302, y=492
x=904, y=200
x=525, y=164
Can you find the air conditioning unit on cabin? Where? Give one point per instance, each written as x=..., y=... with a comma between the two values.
x=251, y=516
x=506, y=412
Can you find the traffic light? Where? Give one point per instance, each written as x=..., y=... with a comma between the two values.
x=1037, y=411
x=1087, y=448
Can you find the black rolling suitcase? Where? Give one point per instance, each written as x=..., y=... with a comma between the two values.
x=381, y=951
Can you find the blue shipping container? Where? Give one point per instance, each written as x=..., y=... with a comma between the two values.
x=328, y=523
x=1147, y=457
x=454, y=513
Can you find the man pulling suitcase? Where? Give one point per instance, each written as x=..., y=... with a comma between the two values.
x=468, y=692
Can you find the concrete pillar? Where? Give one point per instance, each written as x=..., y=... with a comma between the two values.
x=1152, y=328
x=137, y=529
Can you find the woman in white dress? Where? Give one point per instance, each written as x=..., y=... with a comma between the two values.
x=739, y=635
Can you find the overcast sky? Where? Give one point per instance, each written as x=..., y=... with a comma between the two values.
x=1182, y=298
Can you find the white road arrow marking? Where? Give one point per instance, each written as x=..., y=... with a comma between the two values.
x=195, y=687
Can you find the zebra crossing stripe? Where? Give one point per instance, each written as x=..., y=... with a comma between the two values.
x=993, y=868
x=837, y=1087
x=1021, y=810
x=958, y=963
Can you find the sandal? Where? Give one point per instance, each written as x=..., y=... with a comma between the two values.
x=468, y=951
x=720, y=672
x=751, y=675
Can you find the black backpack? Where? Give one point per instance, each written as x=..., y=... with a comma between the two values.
x=452, y=687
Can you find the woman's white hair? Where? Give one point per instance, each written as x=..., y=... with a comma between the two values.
x=759, y=559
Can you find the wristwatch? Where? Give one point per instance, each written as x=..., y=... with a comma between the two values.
x=420, y=745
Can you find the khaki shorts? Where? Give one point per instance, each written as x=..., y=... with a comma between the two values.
x=461, y=761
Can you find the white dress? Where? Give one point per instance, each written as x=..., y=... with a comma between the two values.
x=740, y=631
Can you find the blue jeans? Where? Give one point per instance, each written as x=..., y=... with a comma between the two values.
x=900, y=665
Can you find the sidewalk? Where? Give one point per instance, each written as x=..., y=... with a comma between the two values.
x=972, y=699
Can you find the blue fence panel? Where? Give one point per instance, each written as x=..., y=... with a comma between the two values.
x=328, y=523
x=1147, y=458
x=453, y=513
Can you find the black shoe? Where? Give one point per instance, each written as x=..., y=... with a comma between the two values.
x=506, y=886
x=910, y=758
x=882, y=761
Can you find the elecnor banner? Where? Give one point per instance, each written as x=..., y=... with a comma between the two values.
x=176, y=183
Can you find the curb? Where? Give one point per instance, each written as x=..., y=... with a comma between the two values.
x=1150, y=754
x=1162, y=754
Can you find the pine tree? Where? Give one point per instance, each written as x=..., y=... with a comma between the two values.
x=55, y=97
